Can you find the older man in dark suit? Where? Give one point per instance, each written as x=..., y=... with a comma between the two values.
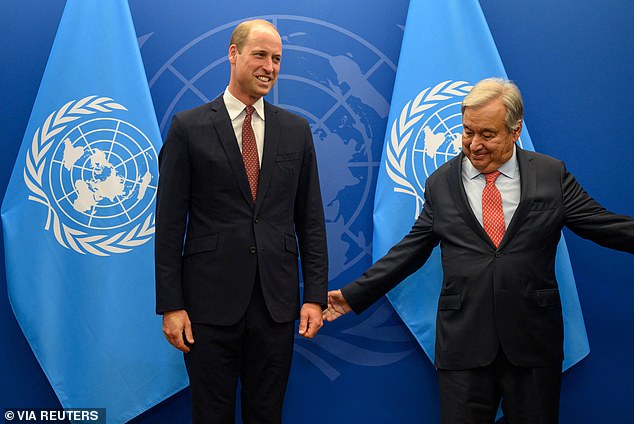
x=238, y=191
x=497, y=212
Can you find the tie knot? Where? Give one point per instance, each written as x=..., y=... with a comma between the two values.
x=249, y=110
x=491, y=177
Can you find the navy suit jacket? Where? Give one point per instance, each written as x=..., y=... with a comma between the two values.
x=212, y=239
x=492, y=297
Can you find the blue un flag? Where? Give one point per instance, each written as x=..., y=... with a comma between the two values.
x=78, y=219
x=447, y=47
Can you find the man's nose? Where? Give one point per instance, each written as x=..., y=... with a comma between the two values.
x=476, y=142
x=268, y=65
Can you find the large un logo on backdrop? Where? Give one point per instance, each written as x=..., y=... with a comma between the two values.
x=332, y=77
x=339, y=82
x=94, y=173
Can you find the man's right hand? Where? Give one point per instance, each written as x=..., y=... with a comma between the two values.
x=174, y=324
x=337, y=306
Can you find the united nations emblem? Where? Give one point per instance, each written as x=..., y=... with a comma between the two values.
x=426, y=134
x=94, y=173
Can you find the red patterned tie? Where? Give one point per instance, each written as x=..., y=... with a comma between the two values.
x=250, y=152
x=492, y=211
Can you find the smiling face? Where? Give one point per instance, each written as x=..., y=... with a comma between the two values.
x=255, y=67
x=486, y=140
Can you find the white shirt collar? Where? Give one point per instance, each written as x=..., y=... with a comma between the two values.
x=508, y=168
x=235, y=106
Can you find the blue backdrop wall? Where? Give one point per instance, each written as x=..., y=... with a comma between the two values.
x=574, y=64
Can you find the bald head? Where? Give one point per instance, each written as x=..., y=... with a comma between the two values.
x=240, y=34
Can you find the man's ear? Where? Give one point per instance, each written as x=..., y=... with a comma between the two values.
x=518, y=130
x=233, y=53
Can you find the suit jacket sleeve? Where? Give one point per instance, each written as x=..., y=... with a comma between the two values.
x=588, y=219
x=172, y=204
x=402, y=260
x=310, y=227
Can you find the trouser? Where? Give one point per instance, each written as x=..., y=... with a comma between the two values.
x=528, y=395
x=257, y=351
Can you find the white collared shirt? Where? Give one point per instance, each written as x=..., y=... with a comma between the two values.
x=508, y=184
x=237, y=113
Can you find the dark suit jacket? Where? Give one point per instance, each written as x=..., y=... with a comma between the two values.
x=211, y=238
x=492, y=297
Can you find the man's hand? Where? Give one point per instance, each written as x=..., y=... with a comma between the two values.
x=174, y=324
x=337, y=306
x=310, y=320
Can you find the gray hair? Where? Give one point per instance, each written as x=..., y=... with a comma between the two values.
x=491, y=89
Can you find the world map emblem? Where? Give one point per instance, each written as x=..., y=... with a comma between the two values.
x=425, y=135
x=96, y=174
x=332, y=77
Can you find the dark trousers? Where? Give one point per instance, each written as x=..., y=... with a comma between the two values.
x=528, y=395
x=257, y=351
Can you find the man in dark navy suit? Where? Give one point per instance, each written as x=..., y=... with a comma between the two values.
x=497, y=212
x=238, y=202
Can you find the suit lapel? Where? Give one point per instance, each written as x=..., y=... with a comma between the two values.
x=528, y=181
x=222, y=123
x=271, y=141
x=460, y=198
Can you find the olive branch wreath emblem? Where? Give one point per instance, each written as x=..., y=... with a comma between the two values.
x=68, y=237
x=403, y=129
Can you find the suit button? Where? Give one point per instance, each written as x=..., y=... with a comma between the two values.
x=257, y=221
x=252, y=249
x=498, y=254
